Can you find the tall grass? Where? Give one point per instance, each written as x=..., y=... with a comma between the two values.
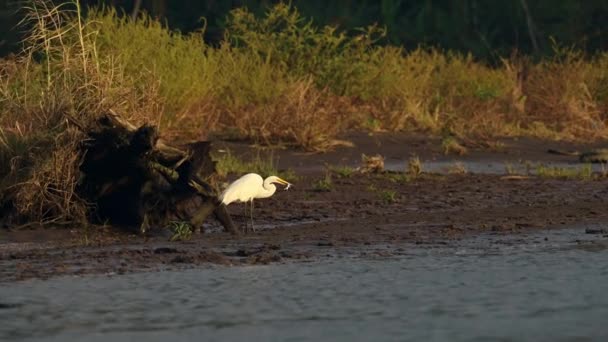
x=275, y=78
x=281, y=78
x=58, y=75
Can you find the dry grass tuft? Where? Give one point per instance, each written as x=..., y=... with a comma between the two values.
x=301, y=114
x=48, y=194
x=564, y=95
x=451, y=145
x=457, y=168
x=414, y=167
x=372, y=164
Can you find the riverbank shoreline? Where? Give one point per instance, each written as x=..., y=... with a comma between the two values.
x=381, y=214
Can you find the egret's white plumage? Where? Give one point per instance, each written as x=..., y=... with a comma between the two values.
x=249, y=187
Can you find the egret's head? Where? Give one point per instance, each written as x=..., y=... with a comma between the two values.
x=278, y=180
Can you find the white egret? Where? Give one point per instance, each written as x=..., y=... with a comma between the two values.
x=251, y=186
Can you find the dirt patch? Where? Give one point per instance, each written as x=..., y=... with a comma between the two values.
x=372, y=214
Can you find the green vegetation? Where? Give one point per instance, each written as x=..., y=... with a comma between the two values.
x=324, y=184
x=580, y=172
x=584, y=172
x=226, y=163
x=342, y=171
x=279, y=77
x=181, y=231
x=388, y=196
x=398, y=177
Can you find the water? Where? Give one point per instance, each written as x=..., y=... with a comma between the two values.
x=550, y=288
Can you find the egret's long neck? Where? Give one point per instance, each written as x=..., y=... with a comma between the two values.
x=269, y=189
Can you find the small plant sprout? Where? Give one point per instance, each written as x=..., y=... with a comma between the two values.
x=181, y=230
x=343, y=171
x=324, y=184
x=373, y=124
x=388, y=196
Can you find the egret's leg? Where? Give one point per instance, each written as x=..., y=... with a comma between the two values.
x=246, y=223
x=251, y=212
x=247, y=208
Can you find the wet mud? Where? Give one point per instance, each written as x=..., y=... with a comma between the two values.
x=371, y=215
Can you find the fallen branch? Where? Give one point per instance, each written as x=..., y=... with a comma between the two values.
x=133, y=179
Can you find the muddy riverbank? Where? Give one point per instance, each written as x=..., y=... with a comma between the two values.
x=383, y=212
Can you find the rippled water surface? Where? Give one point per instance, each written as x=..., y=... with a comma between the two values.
x=550, y=288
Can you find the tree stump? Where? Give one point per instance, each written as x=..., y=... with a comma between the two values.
x=133, y=179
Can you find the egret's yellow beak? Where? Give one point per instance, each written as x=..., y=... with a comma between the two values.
x=284, y=182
